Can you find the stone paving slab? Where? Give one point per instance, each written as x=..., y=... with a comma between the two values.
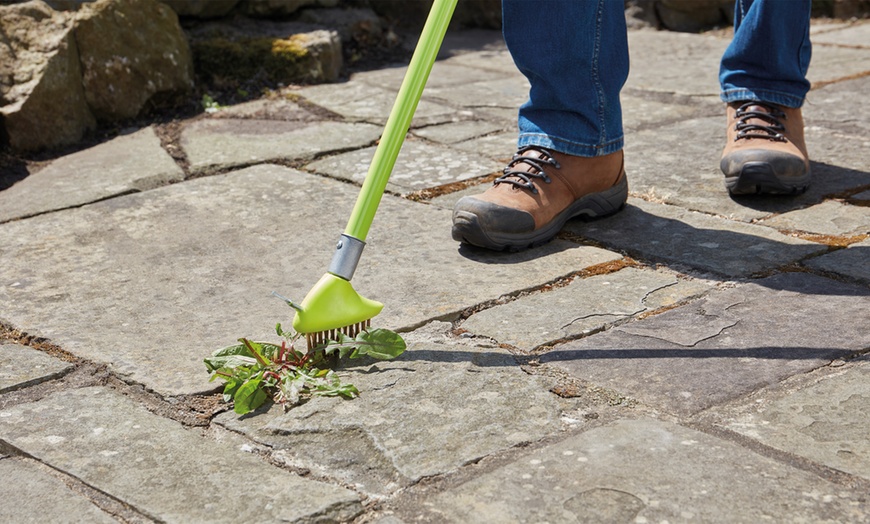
x=357, y=101
x=725, y=345
x=851, y=262
x=645, y=471
x=833, y=107
x=151, y=283
x=509, y=93
x=827, y=422
x=582, y=306
x=161, y=469
x=21, y=367
x=663, y=166
x=456, y=132
x=128, y=163
x=462, y=401
x=500, y=146
x=855, y=34
x=419, y=166
x=827, y=218
x=690, y=66
x=219, y=144
x=445, y=73
x=276, y=107
x=688, y=239
x=30, y=495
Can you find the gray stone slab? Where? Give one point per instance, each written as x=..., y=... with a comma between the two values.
x=500, y=146
x=419, y=166
x=444, y=73
x=278, y=106
x=680, y=63
x=663, y=166
x=641, y=112
x=493, y=57
x=826, y=422
x=30, y=495
x=855, y=35
x=863, y=196
x=581, y=306
x=834, y=63
x=851, y=262
x=447, y=201
x=726, y=344
x=827, y=218
x=161, y=469
x=439, y=406
x=128, y=163
x=151, y=283
x=461, y=131
x=21, y=366
x=689, y=239
x=510, y=93
x=833, y=107
x=646, y=471
x=358, y=101
x=218, y=143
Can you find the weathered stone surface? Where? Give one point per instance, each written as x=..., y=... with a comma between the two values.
x=664, y=167
x=826, y=422
x=361, y=26
x=500, y=146
x=833, y=107
x=21, y=367
x=356, y=101
x=645, y=471
x=466, y=402
x=851, y=261
x=42, y=102
x=161, y=469
x=128, y=163
x=135, y=278
x=845, y=35
x=688, y=239
x=725, y=345
x=456, y=132
x=213, y=144
x=689, y=67
x=201, y=8
x=419, y=166
x=130, y=52
x=488, y=93
x=31, y=495
x=275, y=107
x=827, y=218
x=580, y=307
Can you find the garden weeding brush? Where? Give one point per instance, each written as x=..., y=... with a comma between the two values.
x=333, y=306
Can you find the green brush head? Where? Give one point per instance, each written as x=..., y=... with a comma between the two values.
x=333, y=304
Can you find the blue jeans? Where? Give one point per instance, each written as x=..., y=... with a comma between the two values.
x=575, y=55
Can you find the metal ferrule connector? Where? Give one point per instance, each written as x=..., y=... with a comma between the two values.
x=346, y=257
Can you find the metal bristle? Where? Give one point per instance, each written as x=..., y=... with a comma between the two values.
x=322, y=337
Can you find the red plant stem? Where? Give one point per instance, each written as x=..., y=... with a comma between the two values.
x=259, y=357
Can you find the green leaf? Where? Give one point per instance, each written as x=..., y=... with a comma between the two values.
x=228, y=357
x=249, y=396
x=380, y=343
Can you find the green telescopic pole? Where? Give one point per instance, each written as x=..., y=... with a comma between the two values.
x=400, y=119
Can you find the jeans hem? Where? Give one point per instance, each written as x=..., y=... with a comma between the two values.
x=763, y=95
x=569, y=147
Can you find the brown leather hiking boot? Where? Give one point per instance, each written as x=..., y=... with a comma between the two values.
x=765, y=152
x=539, y=191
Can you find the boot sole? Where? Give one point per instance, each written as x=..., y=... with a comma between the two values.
x=760, y=178
x=466, y=227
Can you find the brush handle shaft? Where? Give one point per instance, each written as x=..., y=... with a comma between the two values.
x=400, y=119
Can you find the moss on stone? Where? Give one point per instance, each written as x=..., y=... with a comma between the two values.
x=220, y=59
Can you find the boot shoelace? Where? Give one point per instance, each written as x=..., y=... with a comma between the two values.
x=523, y=179
x=771, y=130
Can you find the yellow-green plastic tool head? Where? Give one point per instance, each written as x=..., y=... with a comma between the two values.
x=333, y=304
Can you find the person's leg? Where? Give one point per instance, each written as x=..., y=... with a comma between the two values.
x=763, y=81
x=575, y=56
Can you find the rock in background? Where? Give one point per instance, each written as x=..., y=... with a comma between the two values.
x=42, y=101
x=62, y=71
